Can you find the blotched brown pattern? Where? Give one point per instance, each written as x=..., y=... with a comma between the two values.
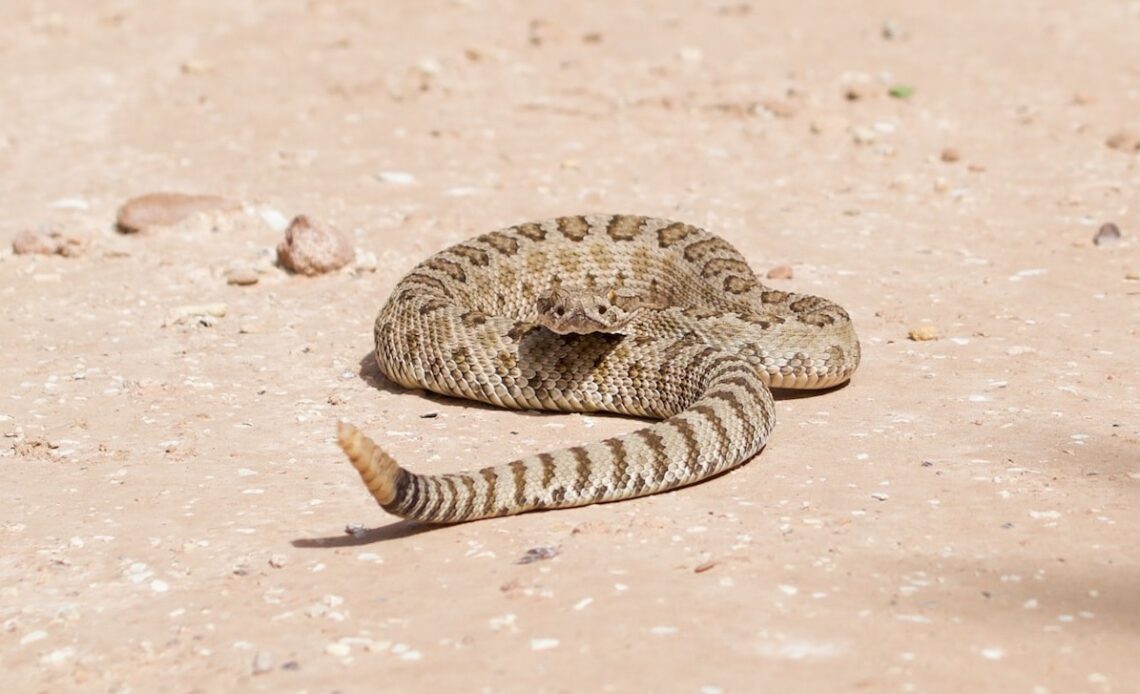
x=701, y=355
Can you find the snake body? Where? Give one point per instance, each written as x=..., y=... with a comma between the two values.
x=700, y=353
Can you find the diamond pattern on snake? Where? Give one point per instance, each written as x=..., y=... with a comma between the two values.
x=633, y=315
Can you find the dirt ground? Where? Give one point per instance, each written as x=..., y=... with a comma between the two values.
x=962, y=517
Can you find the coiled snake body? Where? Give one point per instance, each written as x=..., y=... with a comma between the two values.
x=625, y=314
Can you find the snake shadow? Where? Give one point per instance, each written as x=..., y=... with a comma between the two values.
x=370, y=373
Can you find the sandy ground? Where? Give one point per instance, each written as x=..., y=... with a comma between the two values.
x=963, y=516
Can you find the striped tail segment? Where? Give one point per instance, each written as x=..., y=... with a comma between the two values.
x=726, y=424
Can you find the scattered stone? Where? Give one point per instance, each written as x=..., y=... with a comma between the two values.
x=399, y=178
x=537, y=554
x=338, y=650
x=203, y=314
x=354, y=529
x=429, y=415
x=950, y=155
x=77, y=204
x=365, y=261
x=195, y=66
x=891, y=31
x=704, y=566
x=1107, y=235
x=166, y=209
x=47, y=243
x=309, y=249
x=1123, y=141
x=262, y=662
x=242, y=276
x=863, y=136
x=273, y=217
x=278, y=560
x=1132, y=275
x=543, y=644
x=880, y=496
x=780, y=272
x=291, y=665
x=922, y=333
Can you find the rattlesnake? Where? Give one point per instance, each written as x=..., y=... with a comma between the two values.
x=625, y=314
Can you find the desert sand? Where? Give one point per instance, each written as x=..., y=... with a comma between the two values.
x=962, y=516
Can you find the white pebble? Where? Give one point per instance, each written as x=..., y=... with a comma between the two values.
x=159, y=586
x=880, y=496
x=273, y=218
x=59, y=656
x=663, y=631
x=32, y=637
x=543, y=644
x=993, y=653
x=70, y=204
x=400, y=178
x=338, y=650
x=583, y=604
x=262, y=662
x=788, y=590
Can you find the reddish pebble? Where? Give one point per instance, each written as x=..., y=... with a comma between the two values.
x=780, y=272
x=309, y=249
x=166, y=209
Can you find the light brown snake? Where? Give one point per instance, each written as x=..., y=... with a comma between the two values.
x=660, y=320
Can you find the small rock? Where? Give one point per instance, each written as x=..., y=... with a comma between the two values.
x=204, y=314
x=705, y=566
x=166, y=209
x=355, y=529
x=780, y=272
x=1132, y=275
x=338, y=650
x=312, y=250
x=29, y=242
x=291, y=665
x=278, y=560
x=242, y=276
x=365, y=261
x=537, y=554
x=880, y=496
x=690, y=54
x=195, y=66
x=950, y=155
x=262, y=662
x=923, y=333
x=891, y=31
x=863, y=136
x=399, y=178
x=1123, y=141
x=1107, y=235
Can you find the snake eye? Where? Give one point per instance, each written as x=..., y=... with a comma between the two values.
x=602, y=309
x=559, y=311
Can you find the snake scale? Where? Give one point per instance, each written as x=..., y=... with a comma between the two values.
x=626, y=314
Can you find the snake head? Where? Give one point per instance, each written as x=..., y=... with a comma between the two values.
x=570, y=311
